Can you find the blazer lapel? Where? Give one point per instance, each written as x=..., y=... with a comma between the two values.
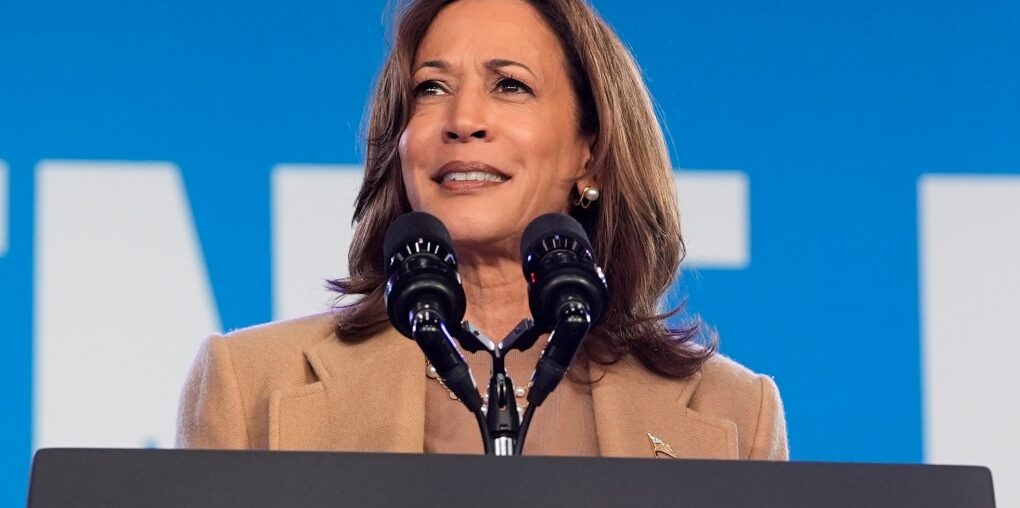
x=370, y=396
x=630, y=403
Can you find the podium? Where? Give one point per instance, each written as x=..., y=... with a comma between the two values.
x=200, y=478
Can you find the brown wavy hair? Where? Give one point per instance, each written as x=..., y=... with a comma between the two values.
x=634, y=226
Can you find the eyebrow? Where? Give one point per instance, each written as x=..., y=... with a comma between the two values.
x=498, y=63
x=495, y=63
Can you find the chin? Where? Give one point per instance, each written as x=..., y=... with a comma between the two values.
x=472, y=228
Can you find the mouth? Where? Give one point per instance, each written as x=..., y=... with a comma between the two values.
x=461, y=173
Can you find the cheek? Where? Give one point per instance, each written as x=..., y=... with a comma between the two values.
x=417, y=142
x=408, y=146
x=410, y=149
x=550, y=148
x=534, y=143
x=405, y=150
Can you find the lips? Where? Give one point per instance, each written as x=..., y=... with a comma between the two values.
x=469, y=172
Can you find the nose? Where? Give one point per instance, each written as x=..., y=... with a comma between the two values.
x=467, y=119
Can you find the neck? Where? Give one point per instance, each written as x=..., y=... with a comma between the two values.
x=497, y=294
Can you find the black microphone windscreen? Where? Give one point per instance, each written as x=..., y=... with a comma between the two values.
x=414, y=225
x=548, y=224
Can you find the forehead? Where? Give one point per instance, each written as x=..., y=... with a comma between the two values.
x=486, y=29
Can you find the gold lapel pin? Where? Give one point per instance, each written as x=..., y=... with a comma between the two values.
x=660, y=446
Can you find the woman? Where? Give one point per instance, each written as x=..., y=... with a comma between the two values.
x=487, y=114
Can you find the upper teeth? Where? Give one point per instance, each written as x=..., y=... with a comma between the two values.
x=473, y=175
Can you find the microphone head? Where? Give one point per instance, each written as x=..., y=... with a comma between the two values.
x=410, y=228
x=421, y=272
x=559, y=267
x=548, y=225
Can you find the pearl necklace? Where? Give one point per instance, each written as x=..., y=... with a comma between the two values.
x=519, y=392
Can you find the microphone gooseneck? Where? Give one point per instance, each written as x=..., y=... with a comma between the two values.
x=424, y=297
x=567, y=293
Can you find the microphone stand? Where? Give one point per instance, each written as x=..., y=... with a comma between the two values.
x=503, y=421
x=504, y=430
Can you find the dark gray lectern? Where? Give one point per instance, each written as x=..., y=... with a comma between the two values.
x=156, y=478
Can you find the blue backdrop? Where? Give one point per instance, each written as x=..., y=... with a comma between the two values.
x=832, y=108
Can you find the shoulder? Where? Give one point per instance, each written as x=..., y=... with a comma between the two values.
x=728, y=390
x=280, y=338
x=723, y=380
x=272, y=355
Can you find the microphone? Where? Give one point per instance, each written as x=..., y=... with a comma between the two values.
x=567, y=293
x=424, y=293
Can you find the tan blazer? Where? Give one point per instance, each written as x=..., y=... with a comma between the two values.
x=293, y=385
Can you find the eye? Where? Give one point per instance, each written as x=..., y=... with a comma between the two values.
x=429, y=88
x=512, y=85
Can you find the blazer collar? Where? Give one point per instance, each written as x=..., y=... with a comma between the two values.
x=368, y=398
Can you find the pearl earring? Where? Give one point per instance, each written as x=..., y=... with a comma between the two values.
x=589, y=195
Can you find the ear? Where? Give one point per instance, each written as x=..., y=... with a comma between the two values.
x=586, y=174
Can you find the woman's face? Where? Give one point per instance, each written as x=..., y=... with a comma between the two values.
x=493, y=138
